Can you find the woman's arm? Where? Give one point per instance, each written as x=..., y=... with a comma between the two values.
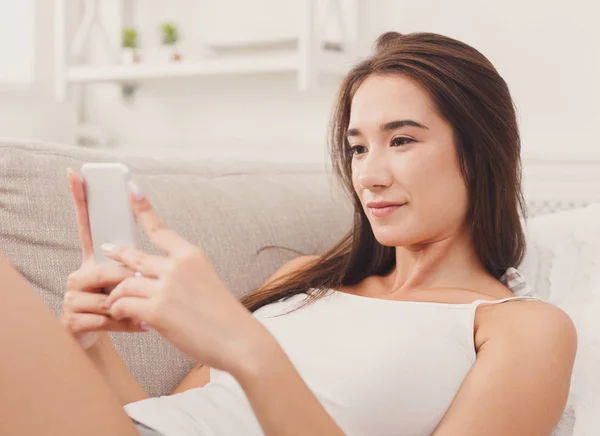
x=81, y=313
x=282, y=402
x=182, y=297
x=86, y=321
x=106, y=359
x=199, y=376
x=520, y=382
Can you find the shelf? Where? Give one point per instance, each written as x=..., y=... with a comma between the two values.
x=308, y=53
x=288, y=61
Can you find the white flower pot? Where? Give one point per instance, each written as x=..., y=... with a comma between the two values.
x=169, y=53
x=129, y=56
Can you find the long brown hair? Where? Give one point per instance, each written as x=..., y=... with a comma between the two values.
x=470, y=94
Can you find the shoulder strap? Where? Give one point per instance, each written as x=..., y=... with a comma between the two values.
x=514, y=280
x=472, y=310
x=502, y=300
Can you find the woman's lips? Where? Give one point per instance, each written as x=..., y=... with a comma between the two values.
x=383, y=211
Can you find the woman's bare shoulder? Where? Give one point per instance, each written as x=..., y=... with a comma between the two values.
x=291, y=266
x=534, y=323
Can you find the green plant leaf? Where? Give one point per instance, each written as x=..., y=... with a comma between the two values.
x=129, y=37
x=170, y=34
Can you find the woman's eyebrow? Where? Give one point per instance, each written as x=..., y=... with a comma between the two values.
x=392, y=125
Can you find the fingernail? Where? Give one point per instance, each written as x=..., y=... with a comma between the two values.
x=145, y=326
x=108, y=247
x=69, y=172
x=135, y=190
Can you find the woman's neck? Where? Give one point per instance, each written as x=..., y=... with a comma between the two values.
x=449, y=262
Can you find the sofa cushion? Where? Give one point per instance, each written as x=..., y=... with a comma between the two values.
x=234, y=211
x=567, y=244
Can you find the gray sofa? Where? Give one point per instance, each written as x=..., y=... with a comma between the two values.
x=249, y=218
x=236, y=212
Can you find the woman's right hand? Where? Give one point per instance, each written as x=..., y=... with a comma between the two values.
x=82, y=313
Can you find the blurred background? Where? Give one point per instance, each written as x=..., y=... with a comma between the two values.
x=256, y=79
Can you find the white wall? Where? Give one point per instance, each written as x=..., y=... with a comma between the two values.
x=250, y=117
x=548, y=52
x=30, y=111
x=17, y=20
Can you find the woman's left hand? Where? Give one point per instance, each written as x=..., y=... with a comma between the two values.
x=181, y=297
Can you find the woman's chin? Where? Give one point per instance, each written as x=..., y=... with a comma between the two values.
x=396, y=240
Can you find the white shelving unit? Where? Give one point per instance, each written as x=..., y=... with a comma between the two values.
x=308, y=59
x=332, y=63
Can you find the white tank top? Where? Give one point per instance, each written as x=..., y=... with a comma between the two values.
x=379, y=367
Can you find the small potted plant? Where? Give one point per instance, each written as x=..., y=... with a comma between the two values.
x=170, y=37
x=129, y=43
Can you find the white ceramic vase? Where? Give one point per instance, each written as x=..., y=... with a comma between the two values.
x=169, y=53
x=129, y=56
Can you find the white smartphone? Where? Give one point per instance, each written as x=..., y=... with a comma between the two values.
x=109, y=210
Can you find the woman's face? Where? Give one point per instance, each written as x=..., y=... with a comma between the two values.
x=404, y=152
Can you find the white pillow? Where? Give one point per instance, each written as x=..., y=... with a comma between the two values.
x=545, y=233
x=562, y=264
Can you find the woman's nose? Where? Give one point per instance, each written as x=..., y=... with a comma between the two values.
x=374, y=171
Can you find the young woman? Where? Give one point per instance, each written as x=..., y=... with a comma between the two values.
x=409, y=325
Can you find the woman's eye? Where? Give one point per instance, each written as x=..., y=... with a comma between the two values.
x=400, y=141
x=396, y=142
x=354, y=150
